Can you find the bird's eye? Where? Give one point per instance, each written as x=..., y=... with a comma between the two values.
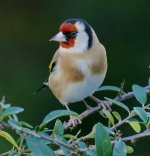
x=71, y=34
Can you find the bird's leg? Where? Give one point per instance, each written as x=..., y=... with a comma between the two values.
x=104, y=104
x=87, y=106
x=73, y=119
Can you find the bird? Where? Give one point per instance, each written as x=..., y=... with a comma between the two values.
x=79, y=65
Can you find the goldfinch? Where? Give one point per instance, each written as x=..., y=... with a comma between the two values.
x=79, y=65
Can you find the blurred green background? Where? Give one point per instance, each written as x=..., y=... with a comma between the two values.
x=25, y=28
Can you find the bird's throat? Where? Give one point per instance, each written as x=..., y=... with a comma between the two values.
x=68, y=44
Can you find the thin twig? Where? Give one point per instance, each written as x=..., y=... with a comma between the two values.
x=127, y=118
x=146, y=133
x=5, y=154
x=122, y=121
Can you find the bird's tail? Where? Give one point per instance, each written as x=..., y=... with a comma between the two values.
x=43, y=86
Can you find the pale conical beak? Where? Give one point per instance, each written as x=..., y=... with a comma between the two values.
x=60, y=37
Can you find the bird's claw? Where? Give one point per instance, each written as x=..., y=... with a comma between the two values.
x=74, y=121
x=106, y=105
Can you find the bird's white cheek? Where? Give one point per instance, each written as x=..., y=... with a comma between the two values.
x=81, y=42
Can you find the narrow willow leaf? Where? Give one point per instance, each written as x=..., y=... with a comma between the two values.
x=141, y=113
x=11, y=111
x=129, y=149
x=102, y=141
x=9, y=138
x=58, y=128
x=120, y=104
x=38, y=147
x=109, y=116
x=116, y=115
x=109, y=88
x=135, y=125
x=119, y=148
x=57, y=113
x=140, y=93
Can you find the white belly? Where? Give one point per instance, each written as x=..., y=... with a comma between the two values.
x=80, y=90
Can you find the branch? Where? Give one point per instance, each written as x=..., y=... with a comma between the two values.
x=29, y=132
x=146, y=133
x=92, y=110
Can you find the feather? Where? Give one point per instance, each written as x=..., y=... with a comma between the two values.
x=43, y=86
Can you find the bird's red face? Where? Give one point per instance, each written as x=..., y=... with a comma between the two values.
x=70, y=31
x=66, y=36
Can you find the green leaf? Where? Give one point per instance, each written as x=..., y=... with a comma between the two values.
x=148, y=114
x=5, y=106
x=102, y=141
x=149, y=81
x=141, y=113
x=135, y=125
x=25, y=124
x=14, y=124
x=120, y=104
x=82, y=144
x=65, y=150
x=44, y=134
x=109, y=130
x=38, y=147
x=58, y=128
x=140, y=93
x=129, y=149
x=119, y=148
x=109, y=116
x=116, y=115
x=15, y=117
x=90, y=153
x=91, y=134
x=109, y=88
x=13, y=153
x=9, y=138
x=57, y=113
x=11, y=111
x=69, y=136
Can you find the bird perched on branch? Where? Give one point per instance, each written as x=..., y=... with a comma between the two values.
x=79, y=65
